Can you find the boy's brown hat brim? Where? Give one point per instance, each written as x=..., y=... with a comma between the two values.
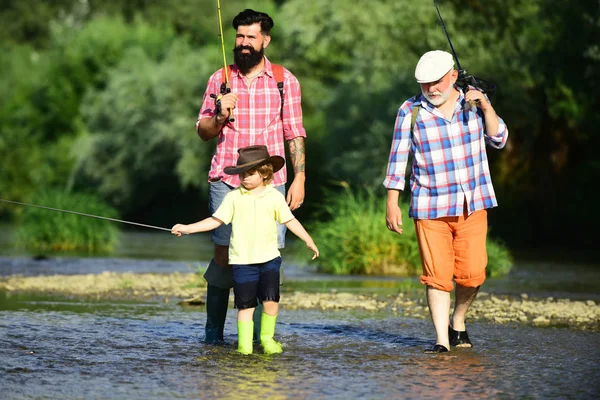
x=254, y=156
x=277, y=162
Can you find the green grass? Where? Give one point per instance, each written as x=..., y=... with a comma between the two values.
x=500, y=259
x=126, y=284
x=47, y=231
x=353, y=239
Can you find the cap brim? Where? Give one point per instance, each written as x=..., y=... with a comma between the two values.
x=429, y=79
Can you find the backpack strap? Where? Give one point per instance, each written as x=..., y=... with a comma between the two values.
x=413, y=118
x=413, y=122
x=278, y=72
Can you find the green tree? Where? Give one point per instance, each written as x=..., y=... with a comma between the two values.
x=141, y=141
x=40, y=115
x=31, y=21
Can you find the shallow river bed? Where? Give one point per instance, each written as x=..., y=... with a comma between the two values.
x=56, y=348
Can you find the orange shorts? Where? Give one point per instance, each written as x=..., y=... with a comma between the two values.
x=453, y=247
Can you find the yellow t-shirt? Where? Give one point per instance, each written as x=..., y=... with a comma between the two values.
x=253, y=221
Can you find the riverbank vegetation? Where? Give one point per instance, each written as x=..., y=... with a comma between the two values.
x=44, y=231
x=351, y=233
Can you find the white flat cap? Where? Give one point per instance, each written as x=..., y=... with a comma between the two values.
x=433, y=65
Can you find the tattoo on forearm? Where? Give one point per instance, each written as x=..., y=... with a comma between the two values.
x=297, y=154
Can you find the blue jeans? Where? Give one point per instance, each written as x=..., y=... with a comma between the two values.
x=221, y=235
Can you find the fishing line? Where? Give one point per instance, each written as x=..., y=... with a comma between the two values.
x=85, y=215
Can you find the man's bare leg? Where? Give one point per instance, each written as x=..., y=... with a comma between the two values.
x=464, y=298
x=439, y=307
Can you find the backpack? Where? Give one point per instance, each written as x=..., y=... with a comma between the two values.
x=277, y=72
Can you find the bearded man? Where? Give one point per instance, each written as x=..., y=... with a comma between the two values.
x=253, y=111
x=446, y=130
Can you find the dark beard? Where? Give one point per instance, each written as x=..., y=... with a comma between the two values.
x=247, y=61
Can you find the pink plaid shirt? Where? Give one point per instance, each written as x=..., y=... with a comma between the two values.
x=257, y=119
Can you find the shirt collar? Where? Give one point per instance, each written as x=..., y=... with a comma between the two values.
x=245, y=191
x=268, y=68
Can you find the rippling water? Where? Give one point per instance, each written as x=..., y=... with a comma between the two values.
x=53, y=348
x=57, y=348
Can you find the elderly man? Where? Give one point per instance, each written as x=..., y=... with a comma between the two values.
x=446, y=130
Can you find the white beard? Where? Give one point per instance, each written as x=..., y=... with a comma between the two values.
x=438, y=98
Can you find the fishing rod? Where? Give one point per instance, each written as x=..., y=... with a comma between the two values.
x=222, y=42
x=85, y=215
x=464, y=80
x=225, y=87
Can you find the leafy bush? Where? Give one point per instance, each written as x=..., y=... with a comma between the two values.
x=48, y=231
x=500, y=260
x=353, y=239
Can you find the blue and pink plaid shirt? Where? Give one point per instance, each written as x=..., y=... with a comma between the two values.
x=257, y=119
x=450, y=163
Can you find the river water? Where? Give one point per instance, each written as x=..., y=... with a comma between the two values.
x=61, y=348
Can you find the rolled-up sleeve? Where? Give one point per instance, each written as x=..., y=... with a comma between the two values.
x=499, y=140
x=292, y=108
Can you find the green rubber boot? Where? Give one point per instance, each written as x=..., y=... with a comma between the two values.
x=267, y=331
x=257, y=322
x=245, y=330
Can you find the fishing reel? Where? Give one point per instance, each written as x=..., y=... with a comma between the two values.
x=464, y=81
x=217, y=109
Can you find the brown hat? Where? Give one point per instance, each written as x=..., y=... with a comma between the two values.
x=254, y=156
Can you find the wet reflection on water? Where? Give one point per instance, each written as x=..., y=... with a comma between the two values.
x=53, y=348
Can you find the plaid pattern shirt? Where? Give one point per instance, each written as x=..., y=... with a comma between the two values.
x=449, y=159
x=257, y=119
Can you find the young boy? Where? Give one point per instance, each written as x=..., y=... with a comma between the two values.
x=254, y=209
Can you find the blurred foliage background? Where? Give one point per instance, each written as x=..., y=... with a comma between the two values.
x=102, y=97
